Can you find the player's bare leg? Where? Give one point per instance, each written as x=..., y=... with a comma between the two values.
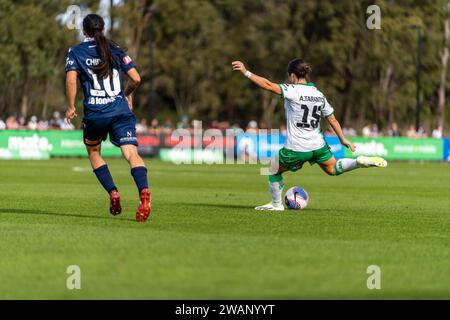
x=103, y=175
x=329, y=166
x=275, y=187
x=139, y=173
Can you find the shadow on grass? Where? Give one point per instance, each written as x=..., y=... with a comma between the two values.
x=252, y=208
x=47, y=213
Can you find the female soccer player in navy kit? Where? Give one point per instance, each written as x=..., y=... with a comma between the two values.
x=99, y=63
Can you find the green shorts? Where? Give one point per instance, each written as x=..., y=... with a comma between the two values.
x=293, y=160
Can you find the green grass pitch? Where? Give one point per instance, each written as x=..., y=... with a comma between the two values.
x=204, y=239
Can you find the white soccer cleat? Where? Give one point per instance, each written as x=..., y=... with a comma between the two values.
x=367, y=162
x=270, y=207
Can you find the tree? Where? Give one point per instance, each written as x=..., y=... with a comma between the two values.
x=443, y=82
x=33, y=55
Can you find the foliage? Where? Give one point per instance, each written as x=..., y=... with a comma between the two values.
x=184, y=50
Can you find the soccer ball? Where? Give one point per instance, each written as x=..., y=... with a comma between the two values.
x=296, y=198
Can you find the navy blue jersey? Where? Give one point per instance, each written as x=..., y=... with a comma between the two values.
x=102, y=97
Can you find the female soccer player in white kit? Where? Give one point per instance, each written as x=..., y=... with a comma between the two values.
x=304, y=106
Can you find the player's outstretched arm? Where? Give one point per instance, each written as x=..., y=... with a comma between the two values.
x=134, y=80
x=337, y=129
x=71, y=93
x=261, y=82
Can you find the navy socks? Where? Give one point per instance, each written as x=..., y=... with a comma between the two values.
x=140, y=177
x=105, y=178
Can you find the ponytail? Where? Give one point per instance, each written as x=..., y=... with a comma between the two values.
x=104, y=68
x=300, y=68
x=93, y=26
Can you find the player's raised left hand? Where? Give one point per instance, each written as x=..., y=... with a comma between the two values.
x=239, y=66
x=349, y=145
x=70, y=115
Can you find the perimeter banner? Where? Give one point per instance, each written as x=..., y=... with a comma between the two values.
x=447, y=149
x=23, y=144
x=264, y=147
x=398, y=148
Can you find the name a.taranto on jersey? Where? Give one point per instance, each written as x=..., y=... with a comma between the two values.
x=312, y=99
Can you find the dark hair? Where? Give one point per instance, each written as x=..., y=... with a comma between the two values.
x=299, y=67
x=93, y=26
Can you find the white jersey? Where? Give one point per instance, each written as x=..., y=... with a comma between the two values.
x=304, y=106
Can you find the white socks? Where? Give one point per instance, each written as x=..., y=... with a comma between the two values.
x=344, y=165
x=276, y=190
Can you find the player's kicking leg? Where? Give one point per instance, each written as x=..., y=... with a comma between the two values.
x=103, y=175
x=335, y=167
x=139, y=173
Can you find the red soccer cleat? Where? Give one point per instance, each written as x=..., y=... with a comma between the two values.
x=144, y=209
x=114, y=199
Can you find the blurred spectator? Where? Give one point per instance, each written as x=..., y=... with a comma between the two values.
x=437, y=133
x=141, y=126
x=167, y=127
x=224, y=125
x=263, y=125
x=33, y=123
x=421, y=132
x=375, y=132
x=22, y=122
x=366, y=131
x=154, y=127
x=252, y=127
x=236, y=128
x=56, y=122
x=220, y=125
x=12, y=124
x=196, y=125
x=412, y=133
x=349, y=132
x=370, y=130
x=214, y=125
x=393, y=130
x=183, y=123
x=43, y=125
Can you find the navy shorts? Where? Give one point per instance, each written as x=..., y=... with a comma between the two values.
x=121, y=130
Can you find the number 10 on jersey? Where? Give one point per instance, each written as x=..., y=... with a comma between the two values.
x=104, y=89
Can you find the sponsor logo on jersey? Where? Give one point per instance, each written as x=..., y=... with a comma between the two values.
x=93, y=61
x=127, y=60
x=98, y=93
x=69, y=62
x=128, y=139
